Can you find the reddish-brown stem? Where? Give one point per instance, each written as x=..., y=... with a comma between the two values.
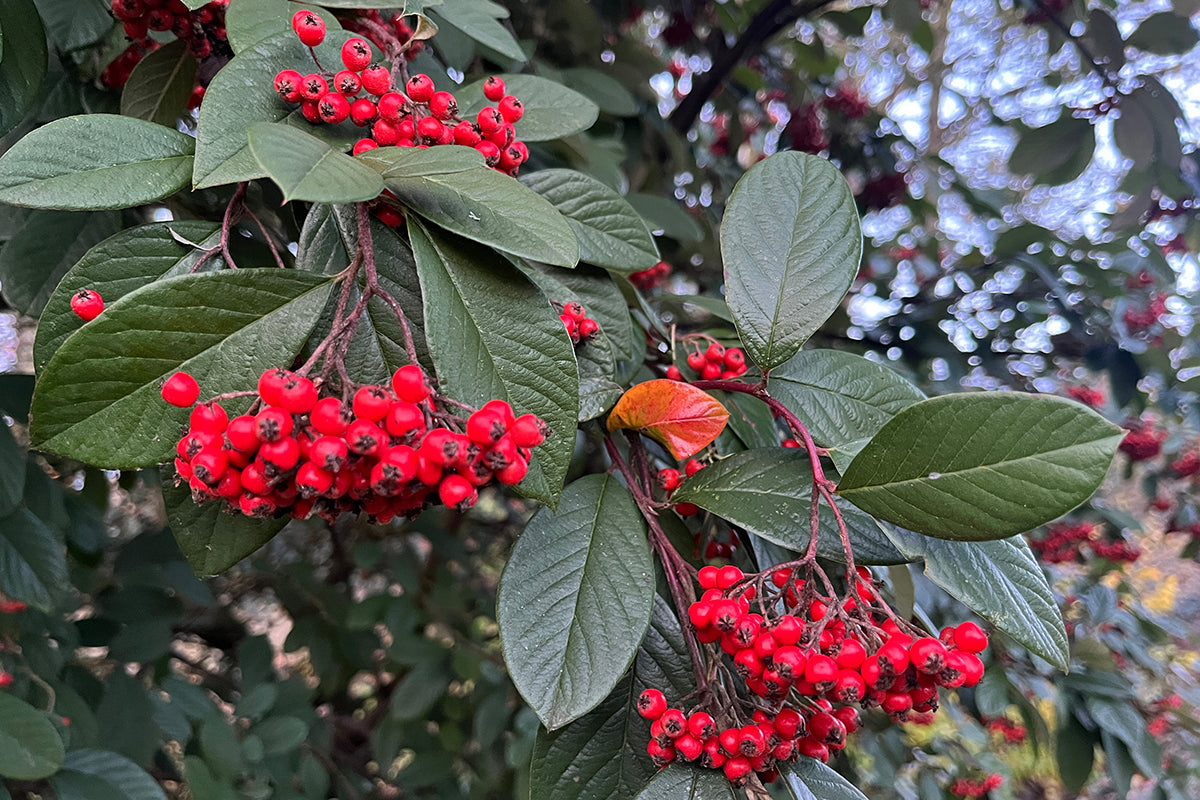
x=232, y=213
x=268, y=237
x=366, y=246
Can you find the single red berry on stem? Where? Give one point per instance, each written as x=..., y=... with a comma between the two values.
x=87, y=304
x=511, y=108
x=377, y=79
x=309, y=27
x=356, y=54
x=181, y=390
x=420, y=88
x=493, y=88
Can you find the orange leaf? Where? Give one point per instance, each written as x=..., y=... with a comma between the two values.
x=681, y=417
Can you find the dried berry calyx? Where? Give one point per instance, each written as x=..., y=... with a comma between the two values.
x=390, y=452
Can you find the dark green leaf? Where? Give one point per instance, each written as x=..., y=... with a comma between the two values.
x=479, y=21
x=1001, y=581
x=602, y=89
x=552, y=111
x=602, y=755
x=160, y=86
x=23, y=64
x=95, y=161
x=1118, y=761
x=117, y=266
x=493, y=334
x=841, y=397
x=243, y=93
x=678, y=782
x=16, y=392
x=35, y=260
x=1123, y=721
x=33, y=565
x=30, y=748
x=1164, y=33
x=1075, y=749
x=125, y=778
x=77, y=24
x=306, y=168
x=212, y=539
x=413, y=162
x=610, y=232
x=575, y=599
x=12, y=471
x=819, y=781
x=768, y=492
x=1044, y=149
x=667, y=216
x=494, y=209
x=791, y=244
x=126, y=716
x=977, y=466
x=281, y=734
x=224, y=328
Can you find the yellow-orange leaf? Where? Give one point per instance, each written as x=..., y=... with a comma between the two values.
x=681, y=417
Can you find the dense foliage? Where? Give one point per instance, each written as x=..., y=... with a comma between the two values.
x=478, y=400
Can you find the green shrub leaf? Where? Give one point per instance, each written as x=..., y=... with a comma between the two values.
x=768, y=491
x=1000, y=581
x=106, y=771
x=211, y=539
x=23, y=62
x=30, y=748
x=552, y=111
x=791, y=244
x=493, y=334
x=575, y=599
x=95, y=161
x=678, y=782
x=160, y=85
x=809, y=778
x=306, y=168
x=33, y=565
x=611, y=234
x=976, y=466
x=98, y=397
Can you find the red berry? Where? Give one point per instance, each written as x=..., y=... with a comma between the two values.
x=490, y=152
x=970, y=638
x=391, y=107
x=372, y=403
x=408, y=383
x=356, y=54
x=309, y=27
x=208, y=417
x=430, y=128
x=510, y=108
x=466, y=134
x=674, y=374
x=87, y=304
x=330, y=417
x=376, y=79
x=443, y=105
x=493, y=88
x=588, y=328
x=311, y=480
x=651, y=704
x=928, y=655
x=159, y=19
x=181, y=390
x=362, y=111
x=333, y=108
x=489, y=121
x=298, y=396
x=456, y=491
x=364, y=437
x=209, y=465
x=420, y=88
x=669, y=479
x=385, y=133
x=288, y=85
x=363, y=145
x=313, y=87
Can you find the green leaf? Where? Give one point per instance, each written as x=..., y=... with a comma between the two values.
x=23, y=64
x=667, y=217
x=1000, y=581
x=281, y=734
x=1042, y=150
x=243, y=93
x=608, y=93
x=33, y=564
x=811, y=778
x=493, y=209
x=306, y=168
x=414, y=162
x=610, y=232
x=1075, y=750
x=552, y=111
x=977, y=466
x=211, y=539
x=75, y=25
x=224, y=328
x=791, y=244
x=12, y=471
x=1164, y=33
x=160, y=86
x=493, y=334
x=117, y=266
x=768, y=491
x=678, y=782
x=575, y=599
x=839, y=396
x=30, y=748
x=479, y=21
x=126, y=779
x=35, y=260
x=95, y=161
x=602, y=755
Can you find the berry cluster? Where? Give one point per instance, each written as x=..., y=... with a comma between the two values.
x=1064, y=541
x=87, y=304
x=966, y=787
x=392, y=36
x=1009, y=731
x=1143, y=442
x=670, y=479
x=418, y=116
x=388, y=452
x=203, y=30
x=1138, y=320
x=807, y=670
x=717, y=362
x=12, y=606
x=1187, y=465
x=807, y=131
x=580, y=327
x=1090, y=397
x=651, y=278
